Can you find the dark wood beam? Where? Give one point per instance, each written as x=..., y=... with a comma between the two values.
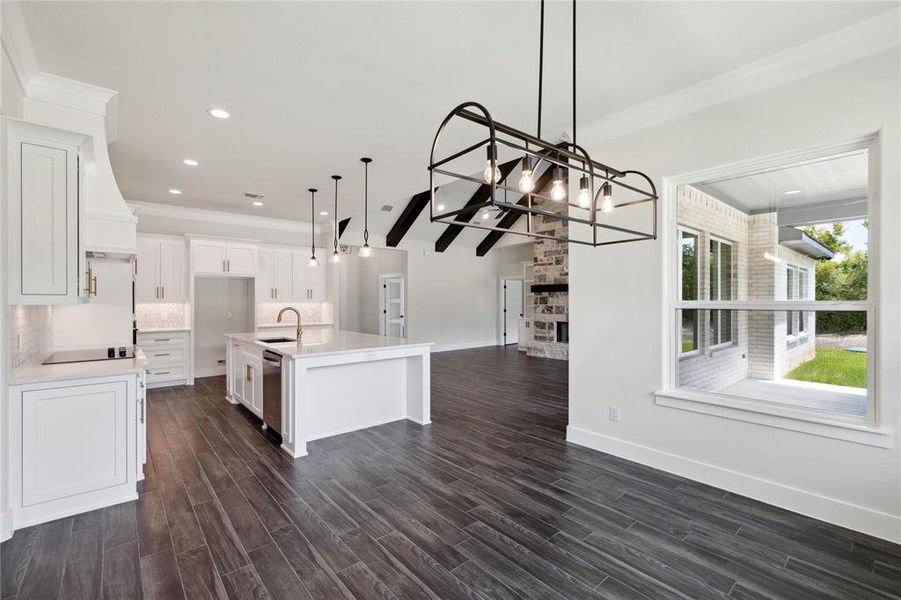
x=342, y=225
x=406, y=219
x=512, y=216
x=482, y=194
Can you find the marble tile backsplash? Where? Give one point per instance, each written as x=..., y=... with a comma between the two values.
x=267, y=312
x=31, y=333
x=163, y=315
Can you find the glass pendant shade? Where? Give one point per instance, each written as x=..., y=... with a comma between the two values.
x=365, y=251
x=313, y=262
x=336, y=257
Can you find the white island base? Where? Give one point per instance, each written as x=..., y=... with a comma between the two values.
x=335, y=382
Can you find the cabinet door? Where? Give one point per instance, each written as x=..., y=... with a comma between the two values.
x=258, y=387
x=282, y=275
x=300, y=283
x=172, y=271
x=111, y=282
x=316, y=279
x=74, y=440
x=147, y=277
x=241, y=259
x=265, y=279
x=252, y=380
x=208, y=257
x=237, y=368
x=44, y=214
x=142, y=423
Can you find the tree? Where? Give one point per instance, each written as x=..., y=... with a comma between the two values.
x=831, y=237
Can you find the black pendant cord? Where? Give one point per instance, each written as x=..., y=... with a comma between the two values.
x=540, y=66
x=336, y=178
x=313, y=221
x=366, y=162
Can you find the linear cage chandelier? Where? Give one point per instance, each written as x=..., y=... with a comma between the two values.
x=608, y=206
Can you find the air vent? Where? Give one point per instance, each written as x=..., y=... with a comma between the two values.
x=387, y=208
x=253, y=196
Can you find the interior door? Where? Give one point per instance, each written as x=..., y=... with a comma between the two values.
x=392, y=307
x=147, y=276
x=512, y=310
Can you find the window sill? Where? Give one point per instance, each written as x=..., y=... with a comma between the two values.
x=751, y=411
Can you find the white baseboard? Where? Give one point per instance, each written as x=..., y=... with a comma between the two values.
x=463, y=345
x=214, y=372
x=873, y=522
x=6, y=526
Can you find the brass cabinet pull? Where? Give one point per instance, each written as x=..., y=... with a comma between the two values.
x=248, y=372
x=223, y=266
x=164, y=291
x=161, y=354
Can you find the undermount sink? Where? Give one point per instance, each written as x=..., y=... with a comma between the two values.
x=278, y=340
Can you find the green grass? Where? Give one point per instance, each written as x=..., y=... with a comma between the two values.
x=687, y=346
x=834, y=366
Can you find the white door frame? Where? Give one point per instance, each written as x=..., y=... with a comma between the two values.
x=403, y=301
x=501, y=298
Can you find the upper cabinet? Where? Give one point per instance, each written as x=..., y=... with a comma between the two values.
x=218, y=257
x=274, y=277
x=160, y=274
x=45, y=245
x=309, y=282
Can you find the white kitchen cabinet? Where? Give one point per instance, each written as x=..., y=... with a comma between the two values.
x=252, y=374
x=309, y=283
x=161, y=273
x=167, y=357
x=45, y=246
x=77, y=446
x=223, y=257
x=274, y=277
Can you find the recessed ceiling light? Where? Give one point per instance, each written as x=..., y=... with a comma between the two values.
x=440, y=207
x=175, y=191
x=258, y=203
x=218, y=113
x=792, y=192
x=486, y=215
x=323, y=213
x=190, y=162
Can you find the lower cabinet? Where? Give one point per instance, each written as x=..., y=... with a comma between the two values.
x=167, y=357
x=245, y=376
x=80, y=445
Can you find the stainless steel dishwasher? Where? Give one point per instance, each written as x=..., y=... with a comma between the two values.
x=272, y=390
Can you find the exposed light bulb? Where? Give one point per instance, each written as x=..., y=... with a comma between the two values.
x=313, y=262
x=558, y=192
x=336, y=257
x=607, y=193
x=584, y=198
x=365, y=251
x=527, y=179
x=492, y=173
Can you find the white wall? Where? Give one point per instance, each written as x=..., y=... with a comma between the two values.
x=221, y=305
x=617, y=361
x=510, y=259
x=359, y=285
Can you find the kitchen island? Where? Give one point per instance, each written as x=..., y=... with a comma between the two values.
x=332, y=382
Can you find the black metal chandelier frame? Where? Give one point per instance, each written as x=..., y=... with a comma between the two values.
x=535, y=151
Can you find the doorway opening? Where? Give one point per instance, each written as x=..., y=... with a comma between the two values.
x=511, y=313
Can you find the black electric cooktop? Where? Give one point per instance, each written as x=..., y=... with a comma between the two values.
x=91, y=355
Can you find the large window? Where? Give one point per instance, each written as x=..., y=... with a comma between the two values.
x=721, y=278
x=770, y=311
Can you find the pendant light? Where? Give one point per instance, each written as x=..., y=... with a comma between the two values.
x=313, y=262
x=543, y=162
x=365, y=249
x=336, y=255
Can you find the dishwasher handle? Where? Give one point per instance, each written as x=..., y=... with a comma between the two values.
x=272, y=357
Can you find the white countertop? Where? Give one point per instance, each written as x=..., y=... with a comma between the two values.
x=320, y=342
x=292, y=325
x=79, y=370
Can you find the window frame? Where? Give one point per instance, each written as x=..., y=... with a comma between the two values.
x=714, y=239
x=697, y=233
x=868, y=429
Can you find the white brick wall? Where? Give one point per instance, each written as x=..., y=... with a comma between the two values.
x=761, y=346
x=31, y=335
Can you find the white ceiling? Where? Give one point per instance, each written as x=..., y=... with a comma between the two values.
x=313, y=86
x=825, y=181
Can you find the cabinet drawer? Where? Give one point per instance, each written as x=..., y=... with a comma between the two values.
x=158, y=356
x=157, y=374
x=156, y=340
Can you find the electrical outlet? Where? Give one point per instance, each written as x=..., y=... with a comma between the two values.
x=613, y=413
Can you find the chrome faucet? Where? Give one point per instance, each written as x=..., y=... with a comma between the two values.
x=296, y=312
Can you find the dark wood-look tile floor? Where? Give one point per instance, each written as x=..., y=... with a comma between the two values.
x=487, y=502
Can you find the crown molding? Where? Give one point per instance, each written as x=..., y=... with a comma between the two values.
x=48, y=88
x=865, y=38
x=17, y=42
x=171, y=211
